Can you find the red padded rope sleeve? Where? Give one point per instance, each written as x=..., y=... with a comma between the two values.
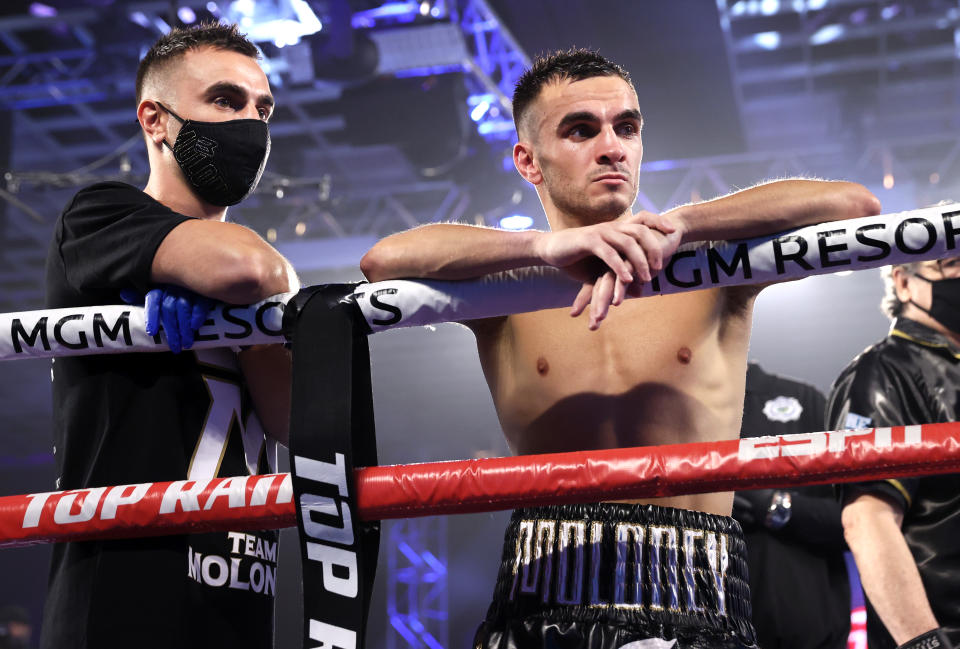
x=435, y=488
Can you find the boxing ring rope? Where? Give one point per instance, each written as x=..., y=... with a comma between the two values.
x=856, y=244
x=456, y=487
x=496, y=483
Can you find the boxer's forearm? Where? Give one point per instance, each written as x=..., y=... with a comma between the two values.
x=774, y=207
x=887, y=569
x=449, y=251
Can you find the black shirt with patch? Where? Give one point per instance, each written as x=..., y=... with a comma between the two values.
x=910, y=377
x=798, y=576
x=148, y=417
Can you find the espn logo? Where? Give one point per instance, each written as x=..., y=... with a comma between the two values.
x=773, y=446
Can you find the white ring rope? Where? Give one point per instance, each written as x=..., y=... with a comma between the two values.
x=856, y=244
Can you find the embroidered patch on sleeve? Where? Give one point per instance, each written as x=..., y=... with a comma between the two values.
x=854, y=420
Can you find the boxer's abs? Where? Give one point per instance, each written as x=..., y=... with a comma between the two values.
x=658, y=371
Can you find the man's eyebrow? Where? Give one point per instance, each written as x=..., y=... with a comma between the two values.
x=587, y=116
x=631, y=113
x=234, y=89
x=579, y=116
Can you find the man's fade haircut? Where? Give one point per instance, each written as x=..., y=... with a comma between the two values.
x=180, y=40
x=574, y=64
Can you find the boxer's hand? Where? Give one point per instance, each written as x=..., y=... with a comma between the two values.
x=609, y=289
x=599, y=294
x=179, y=310
x=665, y=237
x=628, y=247
x=612, y=259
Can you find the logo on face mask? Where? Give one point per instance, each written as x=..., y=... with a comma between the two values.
x=222, y=161
x=195, y=155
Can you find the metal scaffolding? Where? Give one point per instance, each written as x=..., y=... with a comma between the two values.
x=417, y=583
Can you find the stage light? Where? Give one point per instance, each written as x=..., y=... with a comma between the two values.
x=495, y=127
x=400, y=12
x=282, y=22
x=186, y=15
x=826, y=34
x=516, y=222
x=161, y=25
x=890, y=11
x=41, y=10
x=479, y=110
x=141, y=19
x=767, y=40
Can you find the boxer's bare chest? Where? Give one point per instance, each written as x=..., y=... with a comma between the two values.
x=659, y=370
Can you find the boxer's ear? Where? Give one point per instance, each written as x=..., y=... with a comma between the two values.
x=526, y=163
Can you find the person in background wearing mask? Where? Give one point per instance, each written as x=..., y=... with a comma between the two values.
x=203, y=104
x=903, y=532
x=794, y=538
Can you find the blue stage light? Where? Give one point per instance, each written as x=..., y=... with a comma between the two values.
x=767, y=40
x=186, y=15
x=826, y=34
x=479, y=110
x=41, y=10
x=282, y=22
x=516, y=222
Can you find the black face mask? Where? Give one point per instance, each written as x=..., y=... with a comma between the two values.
x=222, y=161
x=944, y=302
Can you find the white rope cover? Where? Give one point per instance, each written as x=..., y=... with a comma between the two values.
x=868, y=242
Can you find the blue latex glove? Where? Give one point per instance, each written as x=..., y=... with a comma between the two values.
x=179, y=310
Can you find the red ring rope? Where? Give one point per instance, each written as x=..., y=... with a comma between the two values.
x=261, y=502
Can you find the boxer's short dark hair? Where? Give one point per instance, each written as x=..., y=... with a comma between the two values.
x=573, y=64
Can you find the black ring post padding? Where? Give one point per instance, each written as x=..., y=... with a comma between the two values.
x=331, y=432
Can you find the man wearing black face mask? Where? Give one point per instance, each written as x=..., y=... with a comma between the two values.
x=203, y=104
x=903, y=532
x=223, y=161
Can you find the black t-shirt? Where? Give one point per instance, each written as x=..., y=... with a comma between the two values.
x=798, y=577
x=910, y=377
x=148, y=417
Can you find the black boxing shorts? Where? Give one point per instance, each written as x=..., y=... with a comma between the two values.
x=617, y=576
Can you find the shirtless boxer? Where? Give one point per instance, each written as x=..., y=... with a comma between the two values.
x=661, y=370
